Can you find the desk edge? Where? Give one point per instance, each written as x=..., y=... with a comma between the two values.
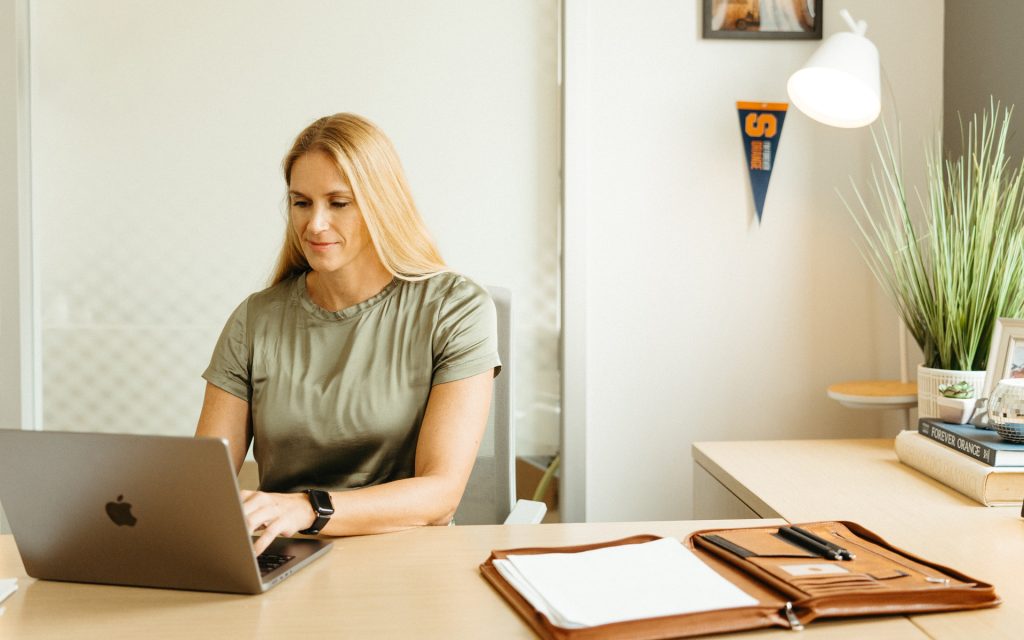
x=735, y=487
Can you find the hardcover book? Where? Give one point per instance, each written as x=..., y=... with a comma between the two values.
x=991, y=486
x=981, y=444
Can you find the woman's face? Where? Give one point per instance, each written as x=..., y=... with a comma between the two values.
x=327, y=222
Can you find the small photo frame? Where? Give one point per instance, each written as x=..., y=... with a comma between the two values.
x=763, y=19
x=1006, y=355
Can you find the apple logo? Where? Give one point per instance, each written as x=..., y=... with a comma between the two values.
x=121, y=512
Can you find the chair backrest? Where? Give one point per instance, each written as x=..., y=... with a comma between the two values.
x=490, y=492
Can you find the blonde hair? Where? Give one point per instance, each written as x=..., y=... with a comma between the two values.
x=368, y=160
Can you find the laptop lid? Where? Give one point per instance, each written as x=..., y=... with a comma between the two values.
x=154, y=511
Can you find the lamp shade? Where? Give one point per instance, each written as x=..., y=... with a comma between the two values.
x=838, y=85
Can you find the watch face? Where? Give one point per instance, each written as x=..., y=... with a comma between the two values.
x=321, y=501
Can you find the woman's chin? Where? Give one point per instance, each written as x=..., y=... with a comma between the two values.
x=322, y=263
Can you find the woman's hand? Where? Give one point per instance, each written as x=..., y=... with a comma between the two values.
x=275, y=514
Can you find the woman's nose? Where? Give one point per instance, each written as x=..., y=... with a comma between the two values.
x=319, y=222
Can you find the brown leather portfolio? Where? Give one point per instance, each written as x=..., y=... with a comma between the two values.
x=879, y=580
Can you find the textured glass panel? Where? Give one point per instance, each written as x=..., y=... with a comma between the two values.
x=124, y=378
x=157, y=133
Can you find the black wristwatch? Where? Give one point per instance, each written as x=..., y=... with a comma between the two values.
x=323, y=507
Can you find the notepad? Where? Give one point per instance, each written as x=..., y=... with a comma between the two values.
x=616, y=584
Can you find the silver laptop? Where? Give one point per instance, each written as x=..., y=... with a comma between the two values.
x=148, y=511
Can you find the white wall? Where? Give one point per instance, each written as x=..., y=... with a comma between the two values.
x=701, y=324
x=158, y=130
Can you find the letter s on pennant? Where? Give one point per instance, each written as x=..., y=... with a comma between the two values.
x=761, y=125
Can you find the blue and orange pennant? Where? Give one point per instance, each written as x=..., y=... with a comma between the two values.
x=761, y=125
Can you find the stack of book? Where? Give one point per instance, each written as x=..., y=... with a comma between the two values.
x=976, y=462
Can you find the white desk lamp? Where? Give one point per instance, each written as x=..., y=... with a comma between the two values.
x=839, y=86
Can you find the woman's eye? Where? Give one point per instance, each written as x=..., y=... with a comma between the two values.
x=301, y=204
x=339, y=204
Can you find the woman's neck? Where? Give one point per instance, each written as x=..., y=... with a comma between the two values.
x=340, y=290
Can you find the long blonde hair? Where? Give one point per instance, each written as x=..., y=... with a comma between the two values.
x=368, y=160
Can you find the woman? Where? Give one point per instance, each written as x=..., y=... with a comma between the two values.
x=363, y=374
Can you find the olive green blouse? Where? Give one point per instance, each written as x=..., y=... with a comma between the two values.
x=337, y=398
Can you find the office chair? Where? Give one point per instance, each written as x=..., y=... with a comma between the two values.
x=490, y=493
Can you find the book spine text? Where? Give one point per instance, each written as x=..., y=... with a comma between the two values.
x=977, y=451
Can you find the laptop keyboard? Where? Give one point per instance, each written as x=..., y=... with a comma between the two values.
x=270, y=561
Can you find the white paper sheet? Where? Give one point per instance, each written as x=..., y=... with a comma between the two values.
x=7, y=587
x=625, y=582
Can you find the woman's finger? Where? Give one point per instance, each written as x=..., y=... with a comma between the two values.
x=260, y=544
x=262, y=516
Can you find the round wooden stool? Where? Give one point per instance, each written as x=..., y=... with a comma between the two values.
x=875, y=394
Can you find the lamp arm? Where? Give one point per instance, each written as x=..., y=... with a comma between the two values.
x=858, y=27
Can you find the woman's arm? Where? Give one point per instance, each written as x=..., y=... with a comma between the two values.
x=226, y=416
x=453, y=425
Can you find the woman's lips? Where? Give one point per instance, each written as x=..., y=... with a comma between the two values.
x=320, y=246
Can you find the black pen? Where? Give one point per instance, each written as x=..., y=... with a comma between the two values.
x=831, y=545
x=809, y=544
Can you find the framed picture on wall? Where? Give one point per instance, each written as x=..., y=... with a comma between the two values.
x=763, y=19
x=1006, y=355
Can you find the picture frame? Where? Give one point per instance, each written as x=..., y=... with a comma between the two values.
x=1006, y=353
x=763, y=19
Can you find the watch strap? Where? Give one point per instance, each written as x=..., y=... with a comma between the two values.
x=323, y=507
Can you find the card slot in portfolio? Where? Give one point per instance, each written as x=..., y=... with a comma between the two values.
x=804, y=573
x=880, y=560
x=854, y=578
x=789, y=597
x=831, y=591
x=824, y=588
x=890, y=559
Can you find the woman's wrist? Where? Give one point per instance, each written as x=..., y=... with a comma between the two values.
x=320, y=507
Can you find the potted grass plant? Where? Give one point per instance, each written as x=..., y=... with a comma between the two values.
x=952, y=261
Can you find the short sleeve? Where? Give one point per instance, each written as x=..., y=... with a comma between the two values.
x=231, y=364
x=466, y=335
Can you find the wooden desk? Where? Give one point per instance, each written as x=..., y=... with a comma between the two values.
x=422, y=583
x=862, y=481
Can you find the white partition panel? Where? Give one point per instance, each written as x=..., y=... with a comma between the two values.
x=157, y=133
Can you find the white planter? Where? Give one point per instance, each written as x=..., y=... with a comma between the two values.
x=928, y=381
x=956, y=410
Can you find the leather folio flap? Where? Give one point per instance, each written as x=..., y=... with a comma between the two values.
x=792, y=586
